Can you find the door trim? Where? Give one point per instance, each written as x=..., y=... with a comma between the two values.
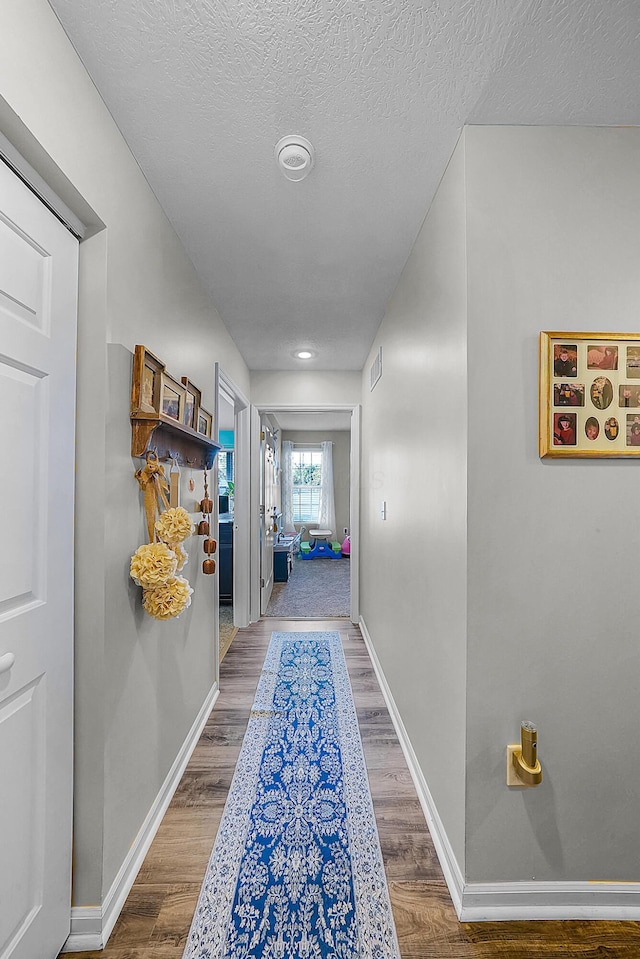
x=32, y=179
x=354, y=495
x=354, y=514
x=242, y=495
x=254, y=514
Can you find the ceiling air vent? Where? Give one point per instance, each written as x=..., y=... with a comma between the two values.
x=295, y=157
x=376, y=369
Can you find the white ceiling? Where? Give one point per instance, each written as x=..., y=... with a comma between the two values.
x=203, y=89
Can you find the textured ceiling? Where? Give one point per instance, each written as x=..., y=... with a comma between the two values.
x=203, y=89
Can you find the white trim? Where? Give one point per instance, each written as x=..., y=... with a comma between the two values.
x=502, y=901
x=354, y=504
x=241, y=525
x=255, y=533
x=446, y=855
x=31, y=178
x=241, y=534
x=354, y=516
x=86, y=929
x=91, y=926
x=505, y=901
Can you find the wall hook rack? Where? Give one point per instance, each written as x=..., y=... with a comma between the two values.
x=182, y=433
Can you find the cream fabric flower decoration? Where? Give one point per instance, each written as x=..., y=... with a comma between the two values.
x=181, y=555
x=174, y=525
x=152, y=565
x=168, y=600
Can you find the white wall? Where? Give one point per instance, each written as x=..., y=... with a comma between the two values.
x=516, y=590
x=139, y=684
x=553, y=244
x=414, y=435
x=305, y=388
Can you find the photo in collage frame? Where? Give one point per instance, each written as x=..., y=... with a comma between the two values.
x=590, y=394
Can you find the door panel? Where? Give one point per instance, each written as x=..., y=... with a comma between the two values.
x=21, y=573
x=268, y=510
x=26, y=276
x=22, y=802
x=38, y=303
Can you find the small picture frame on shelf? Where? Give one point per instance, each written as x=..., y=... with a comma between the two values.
x=205, y=422
x=173, y=399
x=146, y=383
x=589, y=404
x=191, y=403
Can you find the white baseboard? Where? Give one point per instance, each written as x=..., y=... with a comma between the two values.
x=504, y=901
x=86, y=929
x=91, y=926
x=446, y=855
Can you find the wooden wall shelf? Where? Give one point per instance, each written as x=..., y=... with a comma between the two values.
x=165, y=414
x=169, y=438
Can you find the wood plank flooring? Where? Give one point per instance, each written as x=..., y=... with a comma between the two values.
x=156, y=917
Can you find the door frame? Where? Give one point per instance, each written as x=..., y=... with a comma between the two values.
x=51, y=345
x=241, y=495
x=354, y=495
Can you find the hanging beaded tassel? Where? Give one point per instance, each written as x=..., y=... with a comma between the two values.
x=206, y=506
x=209, y=545
x=203, y=525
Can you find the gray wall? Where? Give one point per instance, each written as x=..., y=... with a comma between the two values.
x=508, y=584
x=156, y=675
x=341, y=440
x=553, y=244
x=139, y=684
x=414, y=437
x=305, y=388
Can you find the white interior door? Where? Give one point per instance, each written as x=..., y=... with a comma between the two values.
x=38, y=305
x=268, y=511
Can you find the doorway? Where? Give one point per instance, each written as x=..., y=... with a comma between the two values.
x=231, y=504
x=226, y=511
x=314, y=570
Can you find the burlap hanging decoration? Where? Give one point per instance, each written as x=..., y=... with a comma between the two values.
x=153, y=483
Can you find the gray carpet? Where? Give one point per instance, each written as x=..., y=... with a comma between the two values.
x=317, y=587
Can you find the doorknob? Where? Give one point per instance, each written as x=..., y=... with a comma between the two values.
x=6, y=662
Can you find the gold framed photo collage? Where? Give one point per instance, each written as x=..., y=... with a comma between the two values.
x=589, y=394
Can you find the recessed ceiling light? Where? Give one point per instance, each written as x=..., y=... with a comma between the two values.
x=304, y=354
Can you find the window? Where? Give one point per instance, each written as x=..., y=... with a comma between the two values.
x=225, y=471
x=307, y=484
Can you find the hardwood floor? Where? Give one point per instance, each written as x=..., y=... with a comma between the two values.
x=156, y=917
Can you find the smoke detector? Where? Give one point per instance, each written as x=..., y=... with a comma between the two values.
x=295, y=157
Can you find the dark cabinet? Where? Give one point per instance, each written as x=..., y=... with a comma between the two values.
x=282, y=565
x=225, y=562
x=283, y=554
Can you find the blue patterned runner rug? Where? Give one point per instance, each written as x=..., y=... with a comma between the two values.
x=296, y=870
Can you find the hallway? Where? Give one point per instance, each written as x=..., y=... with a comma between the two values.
x=475, y=187
x=155, y=920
